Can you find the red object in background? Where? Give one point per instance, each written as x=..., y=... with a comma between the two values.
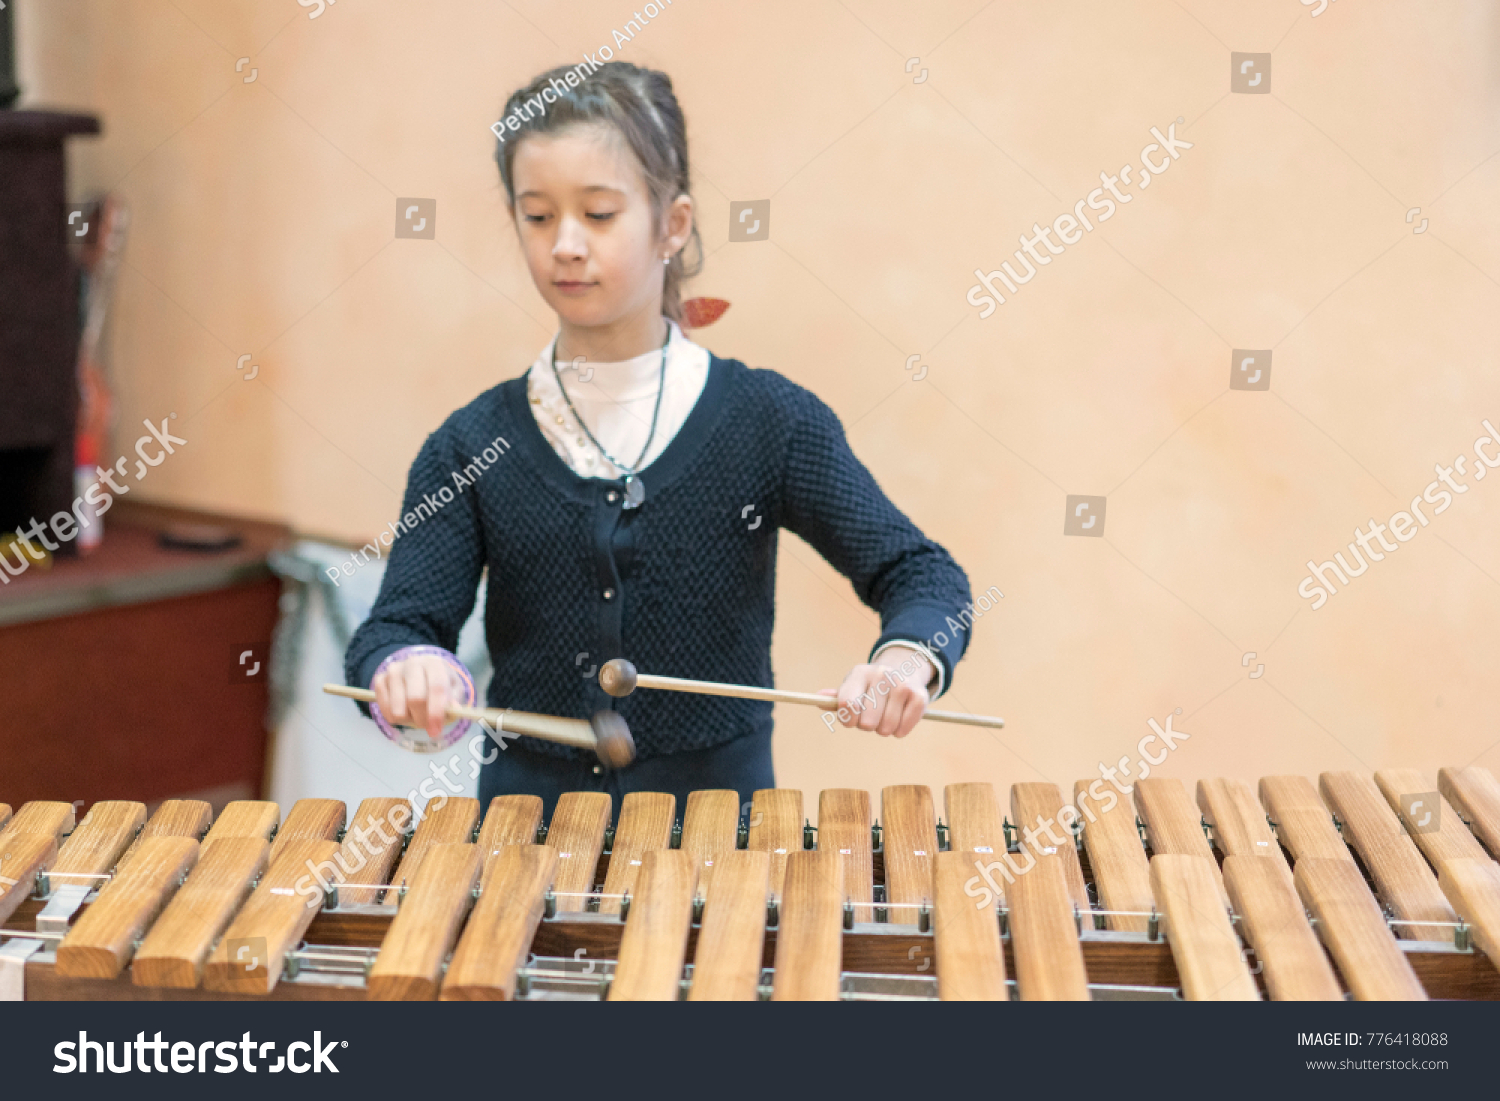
x=698, y=313
x=95, y=404
x=99, y=263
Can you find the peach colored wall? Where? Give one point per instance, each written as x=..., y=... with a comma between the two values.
x=264, y=217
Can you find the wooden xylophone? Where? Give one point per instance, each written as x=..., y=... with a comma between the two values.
x=1357, y=887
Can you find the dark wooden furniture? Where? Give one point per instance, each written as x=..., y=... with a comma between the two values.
x=8, y=89
x=120, y=672
x=38, y=318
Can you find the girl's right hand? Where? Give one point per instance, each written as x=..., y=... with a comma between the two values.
x=416, y=692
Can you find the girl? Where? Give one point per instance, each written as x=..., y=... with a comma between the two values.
x=611, y=505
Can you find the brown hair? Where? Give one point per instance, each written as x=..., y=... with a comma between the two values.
x=640, y=105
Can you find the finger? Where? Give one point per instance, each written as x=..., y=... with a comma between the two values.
x=832, y=705
x=911, y=714
x=847, y=693
x=396, y=689
x=382, y=694
x=848, y=689
x=416, y=693
x=920, y=710
x=873, y=702
x=437, y=701
x=890, y=716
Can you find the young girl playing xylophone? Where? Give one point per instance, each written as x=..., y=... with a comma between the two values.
x=634, y=507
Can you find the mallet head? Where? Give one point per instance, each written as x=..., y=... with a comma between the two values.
x=617, y=677
x=613, y=743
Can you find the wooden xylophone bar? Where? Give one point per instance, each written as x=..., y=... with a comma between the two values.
x=1381, y=887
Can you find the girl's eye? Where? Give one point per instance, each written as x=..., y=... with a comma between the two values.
x=535, y=219
x=602, y=217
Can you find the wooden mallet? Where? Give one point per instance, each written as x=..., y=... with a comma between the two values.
x=619, y=678
x=606, y=733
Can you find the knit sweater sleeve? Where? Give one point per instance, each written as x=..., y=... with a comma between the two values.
x=432, y=567
x=833, y=502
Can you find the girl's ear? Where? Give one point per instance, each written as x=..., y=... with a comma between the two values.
x=678, y=224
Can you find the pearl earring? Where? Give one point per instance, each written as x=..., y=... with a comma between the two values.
x=666, y=259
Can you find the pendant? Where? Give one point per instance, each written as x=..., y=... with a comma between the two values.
x=635, y=491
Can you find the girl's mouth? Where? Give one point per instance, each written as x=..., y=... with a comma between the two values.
x=572, y=286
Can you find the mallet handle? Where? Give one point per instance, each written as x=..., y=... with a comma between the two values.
x=551, y=728
x=775, y=695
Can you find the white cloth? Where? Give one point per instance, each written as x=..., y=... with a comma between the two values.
x=616, y=401
x=323, y=746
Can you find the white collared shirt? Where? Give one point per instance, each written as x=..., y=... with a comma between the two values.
x=616, y=401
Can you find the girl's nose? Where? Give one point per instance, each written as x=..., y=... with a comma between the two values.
x=572, y=240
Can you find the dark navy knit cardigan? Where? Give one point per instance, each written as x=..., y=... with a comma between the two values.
x=683, y=586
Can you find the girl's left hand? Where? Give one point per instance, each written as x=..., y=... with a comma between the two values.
x=888, y=696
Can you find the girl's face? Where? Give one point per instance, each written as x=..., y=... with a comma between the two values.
x=586, y=224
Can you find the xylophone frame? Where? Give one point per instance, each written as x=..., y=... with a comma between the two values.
x=854, y=912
